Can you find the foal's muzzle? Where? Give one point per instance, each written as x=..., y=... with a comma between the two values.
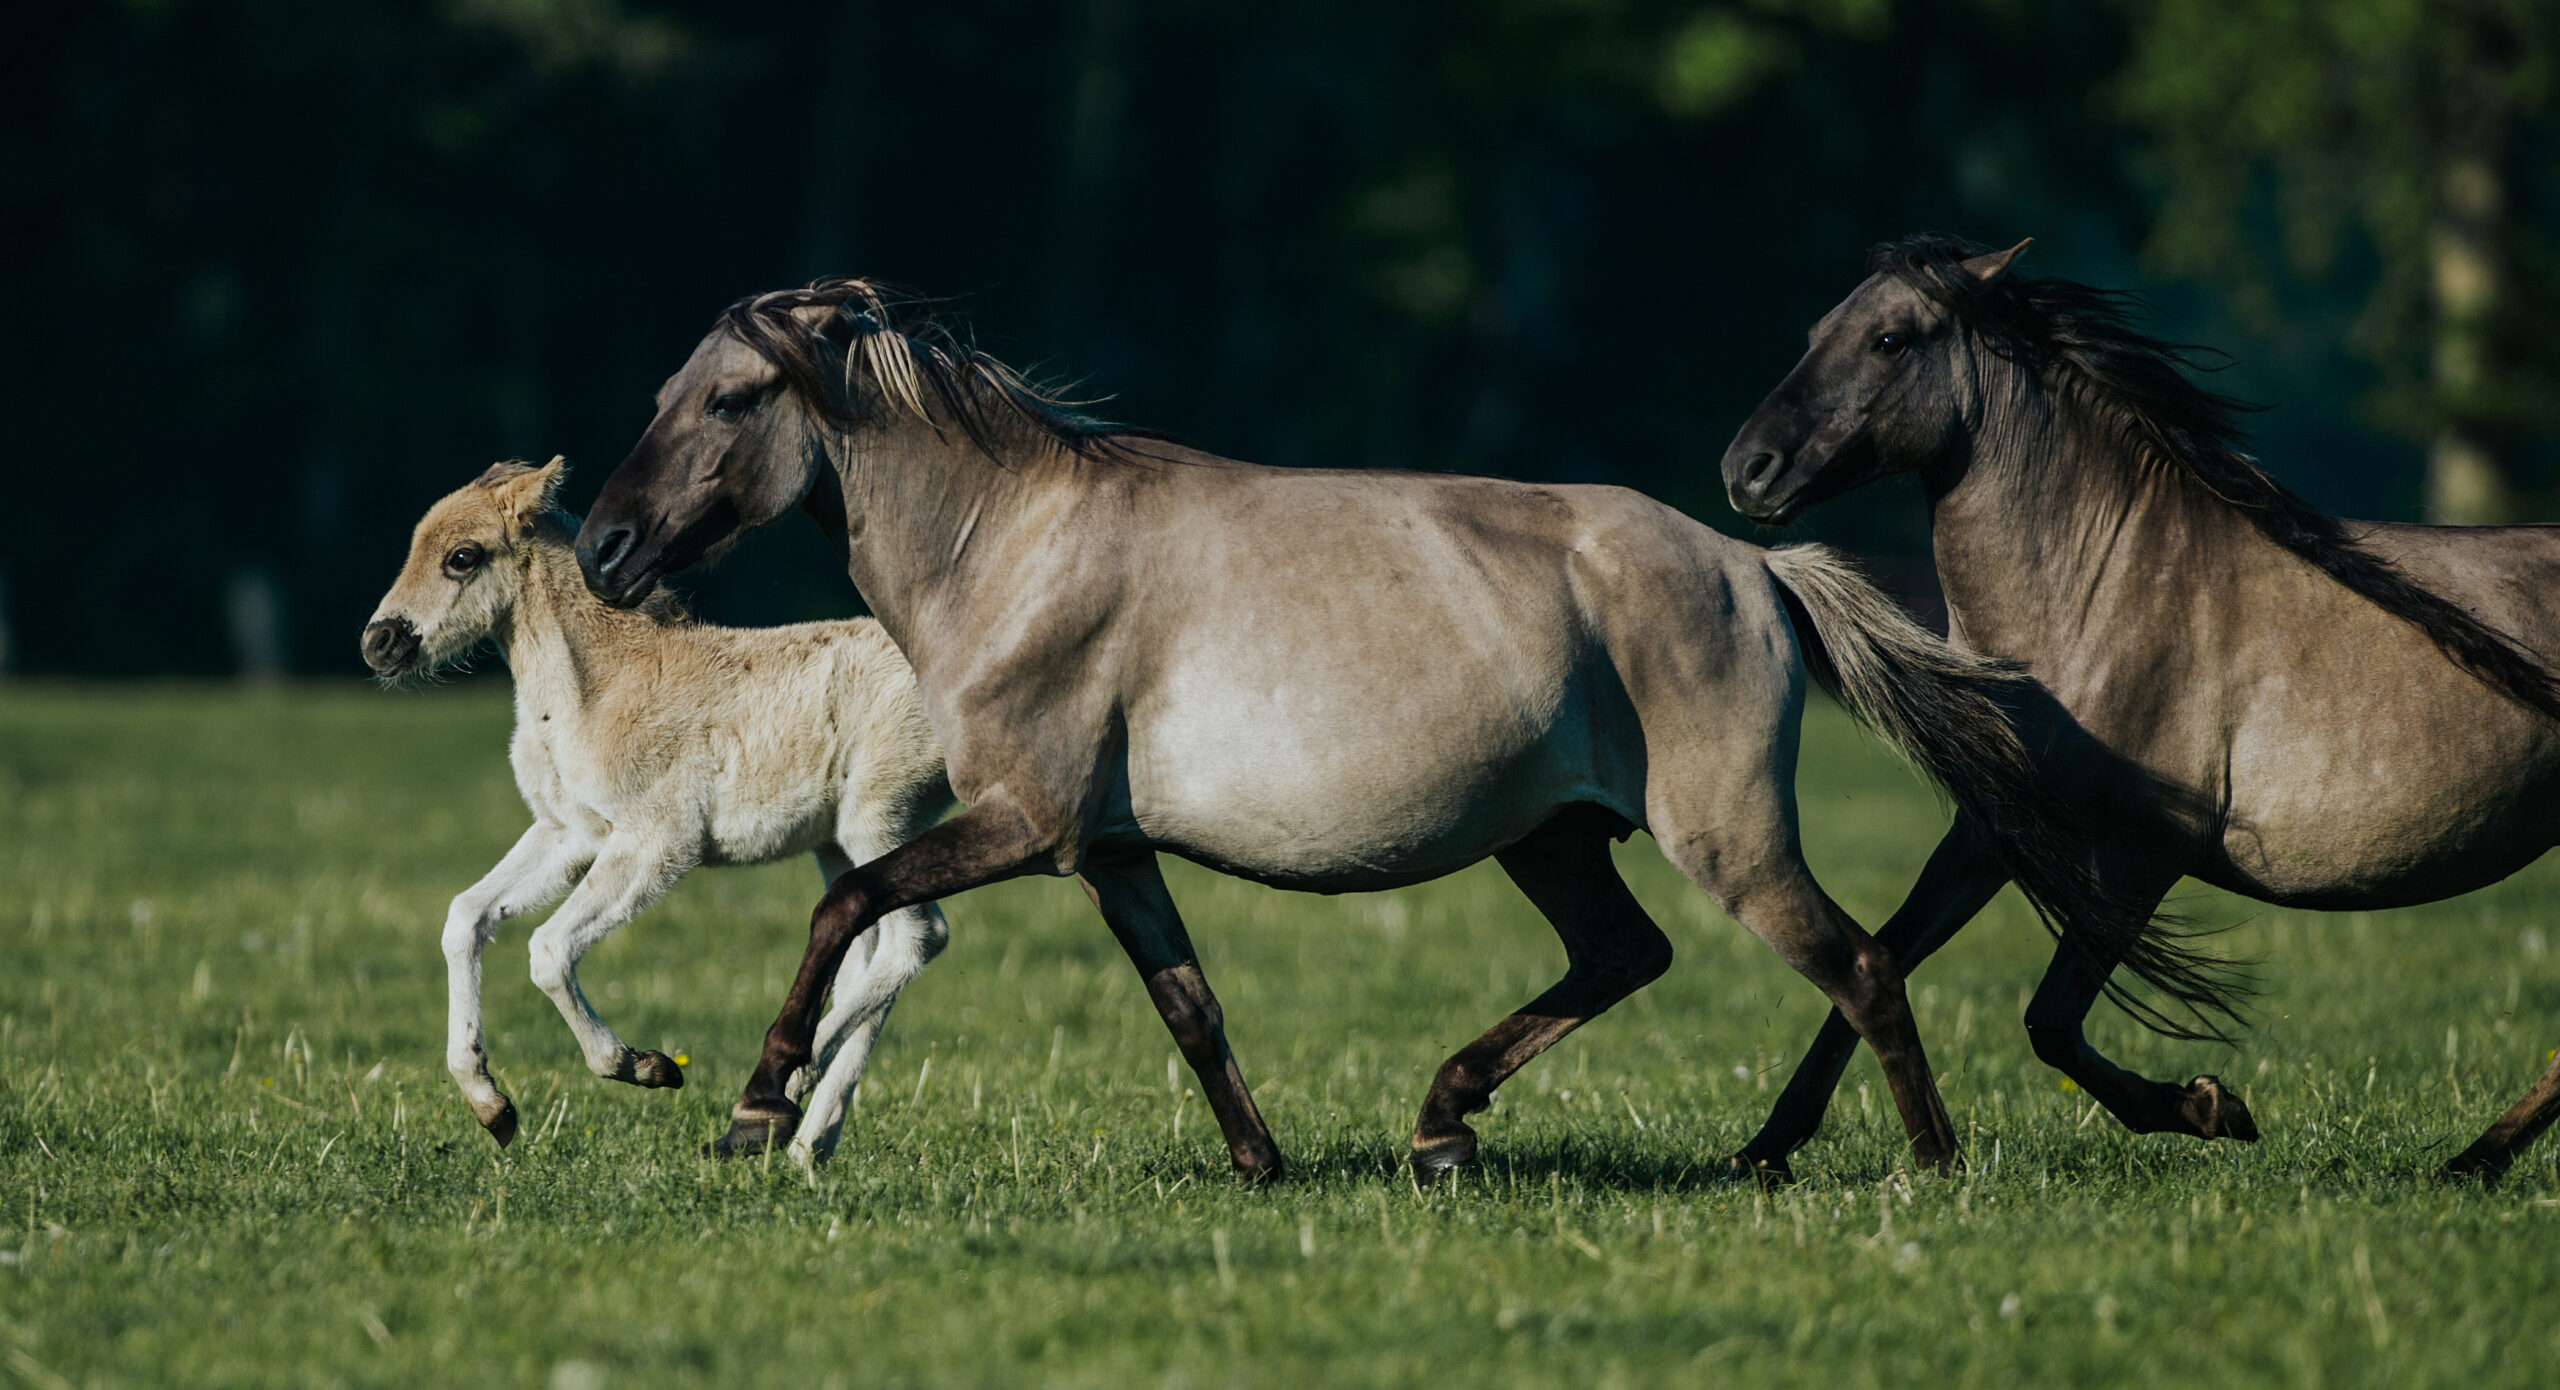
x=390, y=645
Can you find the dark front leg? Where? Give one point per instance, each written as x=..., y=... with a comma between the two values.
x=1130, y=894
x=2493, y=1153
x=989, y=842
x=2201, y=1108
x=1962, y=875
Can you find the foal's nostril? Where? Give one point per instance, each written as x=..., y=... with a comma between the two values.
x=389, y=644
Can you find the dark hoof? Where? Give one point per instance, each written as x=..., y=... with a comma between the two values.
x=754, y=1134
x=657, y=1070
x=2216, y=1113
x=1261, y=1172
x=501, y=1124
x=2475, y=1165
x=1435, y=1156
x=1767, y=1174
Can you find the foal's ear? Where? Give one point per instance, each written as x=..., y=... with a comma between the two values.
x=1990, y=265
x=524, y=491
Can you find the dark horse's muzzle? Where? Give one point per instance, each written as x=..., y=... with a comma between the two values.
x=606, y=560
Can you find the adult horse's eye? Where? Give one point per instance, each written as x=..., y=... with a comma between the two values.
x=1890, y=343
x=463, y=560
x=729, y=405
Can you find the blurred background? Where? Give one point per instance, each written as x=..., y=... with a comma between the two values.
x=278, y=273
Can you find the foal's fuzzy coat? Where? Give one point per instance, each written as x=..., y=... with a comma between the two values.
x=646, y=744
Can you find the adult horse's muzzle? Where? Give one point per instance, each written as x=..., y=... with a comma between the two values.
x=1763, y=483
x=610, y=560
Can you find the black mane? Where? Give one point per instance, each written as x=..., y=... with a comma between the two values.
x=2091, y=333
x=910, y=353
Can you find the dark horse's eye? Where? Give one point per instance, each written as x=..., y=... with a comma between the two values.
x=729, y=405
x=1890, y=343
x=463, y=560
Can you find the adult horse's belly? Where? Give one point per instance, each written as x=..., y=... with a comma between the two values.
x=1309, y=788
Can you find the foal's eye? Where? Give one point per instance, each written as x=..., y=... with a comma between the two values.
x=729, y=405
x=1890, y=343
x=463, y=560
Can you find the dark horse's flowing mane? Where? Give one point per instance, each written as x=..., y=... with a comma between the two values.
x=2170, y=421
x=911, y=354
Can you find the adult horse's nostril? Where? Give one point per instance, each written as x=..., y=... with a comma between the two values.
x=389, y=644
x=608, y=550
x=1758, y=467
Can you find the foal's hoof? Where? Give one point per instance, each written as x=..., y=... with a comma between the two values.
x=1767, y=1174
x=2217, y=1113
x=754, y=1134
x=1440, y=1153
x=500, y=1122
x=657, y=1070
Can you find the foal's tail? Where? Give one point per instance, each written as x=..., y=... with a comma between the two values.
x=1949, y=710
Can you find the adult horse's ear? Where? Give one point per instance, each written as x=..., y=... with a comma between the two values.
x=525, y=492
x=1991, y=265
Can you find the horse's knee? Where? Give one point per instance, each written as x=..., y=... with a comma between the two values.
x=465, y=930
x=2056, y=1047
x=1194, y=1019
x=551, y=966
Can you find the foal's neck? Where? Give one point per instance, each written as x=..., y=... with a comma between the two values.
x=564, y=646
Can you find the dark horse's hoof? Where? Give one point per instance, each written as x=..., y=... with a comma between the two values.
x=2484, y=1163
x=1767, y=1174
x=1261, y=1170
x=2216, y=1113
x=657, y=1070
x=754, y=1134
x=501, y=1122
x=1440, y=1153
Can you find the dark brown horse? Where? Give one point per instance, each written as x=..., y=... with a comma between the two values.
x=1319, y=680
x=2303, y=710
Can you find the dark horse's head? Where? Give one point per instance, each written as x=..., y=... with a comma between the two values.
x=1879, y=390
x=737, y=440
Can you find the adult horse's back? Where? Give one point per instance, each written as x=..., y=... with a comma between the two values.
x=2300, y=709
x=1318, y=680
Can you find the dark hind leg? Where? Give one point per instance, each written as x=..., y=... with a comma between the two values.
x=992, y=840
x=1961, y=877
x=2493, y=1153
x=1131, y=896
x=1611, y=950
x=2202, y=1107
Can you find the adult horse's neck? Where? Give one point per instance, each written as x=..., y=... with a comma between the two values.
x=2051, y=527
x=928, y=508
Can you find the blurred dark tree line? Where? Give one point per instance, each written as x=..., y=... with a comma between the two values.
x=278, y=273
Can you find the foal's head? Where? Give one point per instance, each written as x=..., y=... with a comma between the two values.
x=465, y=570
x=1881, y=387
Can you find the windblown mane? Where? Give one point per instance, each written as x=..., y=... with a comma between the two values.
x=913, y=359
x=2172, y=422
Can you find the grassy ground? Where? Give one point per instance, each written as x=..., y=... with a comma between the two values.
x=229, y=1154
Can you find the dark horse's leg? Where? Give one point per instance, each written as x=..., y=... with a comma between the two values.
x=2072, y=984
x=1962, y=876
x=2493, y=1153
x=1131, y=896
x=991, y=840
x=1611, y=950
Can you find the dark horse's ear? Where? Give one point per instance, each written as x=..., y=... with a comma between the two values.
x=1991, y=265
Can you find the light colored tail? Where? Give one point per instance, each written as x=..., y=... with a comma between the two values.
x=1951, y=712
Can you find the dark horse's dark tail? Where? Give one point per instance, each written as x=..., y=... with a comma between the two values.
x=1949, y=711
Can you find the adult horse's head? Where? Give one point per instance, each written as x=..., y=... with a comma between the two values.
x=737, y=440
x=1882, y=386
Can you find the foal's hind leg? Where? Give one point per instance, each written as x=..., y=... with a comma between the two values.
x=1611, y=950
x=1130, y=894
x=2493, y=1153
x=1962, y=876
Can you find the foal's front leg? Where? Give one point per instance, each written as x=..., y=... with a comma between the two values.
x=536, y=871
x=990, y=841
x=628, y=876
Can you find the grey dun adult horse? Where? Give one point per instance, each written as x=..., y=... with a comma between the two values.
x=2308, y=711
x=1328, y=681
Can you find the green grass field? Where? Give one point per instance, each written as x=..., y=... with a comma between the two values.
x=229, y=1153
